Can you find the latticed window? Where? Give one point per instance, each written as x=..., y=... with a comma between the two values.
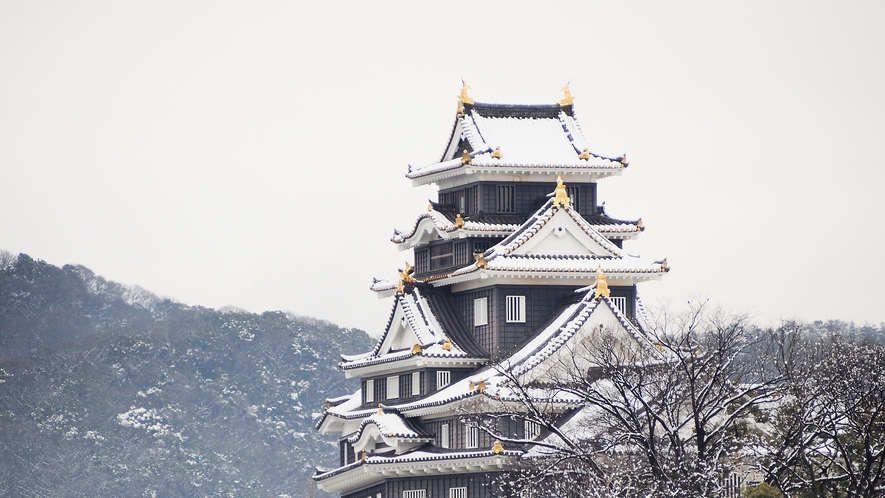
x=457, y=492
x=443, y=378
x=480, y=312
x=422, y=261
x=516, y=309
x=415, y=493
x=370, y=391
x=471, y=437
x=505, y=198
x=462, y=253
x=441, y=256
x=574, y=194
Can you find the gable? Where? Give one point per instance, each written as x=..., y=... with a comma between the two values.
x=561, y=235
x=399, y=334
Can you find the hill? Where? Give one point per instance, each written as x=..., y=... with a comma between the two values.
x=109, y=390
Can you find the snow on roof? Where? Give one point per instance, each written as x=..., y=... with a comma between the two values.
x=390, y=425
x=533, y=137
x=422, y=321
x=444, y=227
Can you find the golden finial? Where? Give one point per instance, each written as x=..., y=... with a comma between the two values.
x=429, y=207
x=465, y=157
x=660, y=347
x=447, y=345
x=460, y=108
x=497, y=153
x=400, y=287
x=328, y=405
x=567, y=99
x=406, y=274
x=416, y=349
x=480, y=259
x=664, y=266
x=364, y=457
x=585, y=154
x=463, y=98
x=639, y=225
x=470, y=385
x=623, y=161
x=459, y=221
x=380, y=409
x=481, y=386
x=601, y=284
x=497, y=448
x=561, y=198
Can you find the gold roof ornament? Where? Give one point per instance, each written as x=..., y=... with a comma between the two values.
x=328, y=404
x=567, y=98
x=639, y=225
x=380, y=409
x=623, y=160
x=465, y=157
x=497, y=153
x=365, y=456
x=664, y=266
x=601, y=284
x=416, y=349
x=660, y=347
x=585, y=154
x=406, y=274
x=429, y=207
x=470, y=385
x=481, y=386
x=463, y=98
x=459, y=221
x=447, y=345
x=497, y=448
x=480, y=259
x=561, y=198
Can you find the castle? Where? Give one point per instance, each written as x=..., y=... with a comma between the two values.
x=515, y=264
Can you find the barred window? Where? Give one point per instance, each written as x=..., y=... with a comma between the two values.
x=415, y=493
x=370, y=391
x=532, y=430
x=462, y=255
x=516, y=309
x=573, y=195
x=443, y=378
x=457, y=492
x=422, y=261
x=505, y=198
x=621, y=303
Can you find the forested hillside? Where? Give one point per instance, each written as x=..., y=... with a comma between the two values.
x=108, y=390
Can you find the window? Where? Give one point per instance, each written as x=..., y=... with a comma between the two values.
x=573, y=195
x=471, y=439
x=532, y=430
x=422, y=263
x=462, y=255
x=415, y=493
x=516, y=309
x=441, y=256
x=444, y=436
x=393, y=387
x=370, y=391
x=416, y=383
x=505, y=199
x=457, y=492
x=621, y=303
x=480, y=312
x=443, y=377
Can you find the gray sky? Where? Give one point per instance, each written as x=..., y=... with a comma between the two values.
x=252, y=153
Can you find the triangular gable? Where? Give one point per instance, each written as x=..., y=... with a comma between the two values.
x=399, y=334
x=562, y=235
x=411, y=322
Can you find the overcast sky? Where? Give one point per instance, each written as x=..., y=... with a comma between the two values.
x=253, y=153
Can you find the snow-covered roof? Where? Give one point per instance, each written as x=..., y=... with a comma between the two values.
x=527, y=138
x=414, y=321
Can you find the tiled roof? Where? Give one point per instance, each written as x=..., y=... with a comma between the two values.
x=390, y=425
x=529, y=137
x=444, y=224
x=428, y=328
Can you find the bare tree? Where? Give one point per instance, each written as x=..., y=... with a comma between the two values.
x=663, y=416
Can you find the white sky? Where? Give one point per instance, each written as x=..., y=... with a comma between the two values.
x=252, y=153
